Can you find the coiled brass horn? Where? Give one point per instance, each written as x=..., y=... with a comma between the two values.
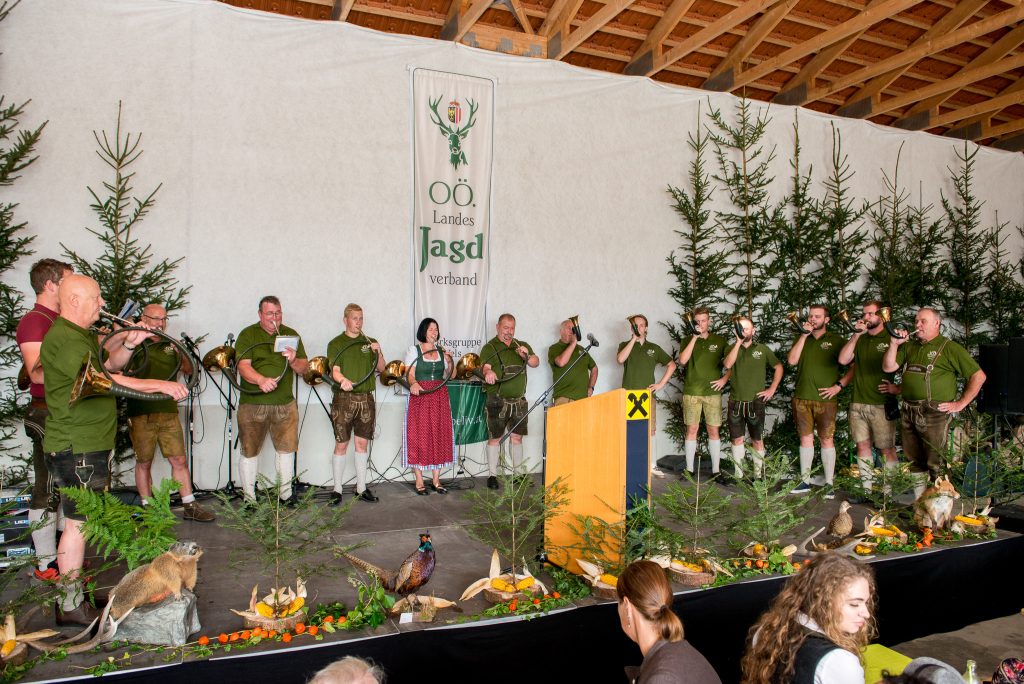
x=885, y=313
x=737, y=325
x=394, y=372
x=468, y=368
x=575, y=321
x=794, y=318
x=191, y=380
x=632, y=324
x=219, y=358
x=93, y=383
x=844, y=319
x=318, y=370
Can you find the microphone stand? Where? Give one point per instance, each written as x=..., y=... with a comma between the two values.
x=544, y=395
x=230, y=489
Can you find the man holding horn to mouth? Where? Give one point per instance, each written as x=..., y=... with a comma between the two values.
x=268, y=403
x=702, y=386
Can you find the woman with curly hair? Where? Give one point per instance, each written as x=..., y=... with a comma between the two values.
x=645, y=613
x=815, y=628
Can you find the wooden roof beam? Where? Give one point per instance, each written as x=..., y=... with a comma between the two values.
x=993, y=105
x=520, y=15
x=562, y=42
x=1010, y=141
x=864, y=20
x=559, y=17
x=703, y=36
x=721, y=78
x=651, y=46
x=341, y=9
x=984, y=120
x=1002, y=47
x=861, y=104
x=917, y=52
x=461, y=17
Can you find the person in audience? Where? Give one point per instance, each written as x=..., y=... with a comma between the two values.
x=645, y=613
x=349, y=670
x=925, y=671
x=816, y=627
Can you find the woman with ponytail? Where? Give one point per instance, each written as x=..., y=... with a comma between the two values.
x=815, y=629
x=645, y=613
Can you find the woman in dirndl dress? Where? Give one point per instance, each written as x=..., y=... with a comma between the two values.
x=429, y=441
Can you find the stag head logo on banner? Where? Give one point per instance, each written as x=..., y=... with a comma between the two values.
x=457, y=134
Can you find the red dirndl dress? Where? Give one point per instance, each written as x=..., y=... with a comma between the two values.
x=428, y=442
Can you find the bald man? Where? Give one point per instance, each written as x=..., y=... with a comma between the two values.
x=79, y=438
x=930, y=364
x=153, y=423
x=578, y=382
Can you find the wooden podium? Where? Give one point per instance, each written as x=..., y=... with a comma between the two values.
x=600, y=446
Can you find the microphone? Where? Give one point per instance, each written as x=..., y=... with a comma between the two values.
x=188, y=341
x=592, y=340
x=231, y=338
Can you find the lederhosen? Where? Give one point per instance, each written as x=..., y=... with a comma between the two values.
x=920, y=415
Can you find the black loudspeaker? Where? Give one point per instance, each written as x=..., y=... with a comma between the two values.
x=1015, y=377
x=993, y=359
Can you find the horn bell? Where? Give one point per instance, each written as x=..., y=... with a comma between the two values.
x=844, y=319
x=576, y=330
x=318, y=371
x=468, y=368
x=219, y=358
x=394, y=372
x=92, y=383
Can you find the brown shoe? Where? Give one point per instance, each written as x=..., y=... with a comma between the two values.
x=83, y=615
x=193, y=511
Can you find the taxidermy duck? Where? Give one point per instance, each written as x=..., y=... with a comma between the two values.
x=414, y=572
x=841, y=524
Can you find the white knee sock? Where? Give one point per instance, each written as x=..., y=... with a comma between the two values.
x=60, y=519
x=828, y=460
x=72, y=597
x=737, y=458
x=285, y=473
x=806, y=458
x=44, y=537
x=517, y=457
x=362, y=461
x=338, y=466
x=864, y=465
x=758, y=457
x=247, y=471
x=715, y=448
x=492, y=460
x=691, y=451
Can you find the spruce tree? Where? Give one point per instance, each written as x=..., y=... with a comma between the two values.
x=964, y=273
x=1003, y=293
x=17, y=148
x=846, y=238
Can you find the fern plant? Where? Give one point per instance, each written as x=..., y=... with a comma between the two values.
x=136, y=534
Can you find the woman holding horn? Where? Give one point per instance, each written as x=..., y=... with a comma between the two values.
x=428, y=442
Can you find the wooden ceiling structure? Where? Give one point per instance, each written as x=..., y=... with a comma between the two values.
x=950, y=67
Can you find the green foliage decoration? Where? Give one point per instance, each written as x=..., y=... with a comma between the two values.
x=765, y=511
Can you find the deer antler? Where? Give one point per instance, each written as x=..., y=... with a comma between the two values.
x=103, y=634
x=436, y=118
x=464, y=131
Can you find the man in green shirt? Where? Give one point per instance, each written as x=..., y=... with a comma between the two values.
x=79, y=438
x=749, y=361
x=639, y=358
x=871, y=387
x=578, y=382
x=930, y=365
x=267, y=404
x=354, y=359
x=152, y=423
x=702, y=386
x=504, y=361
x=815, y=353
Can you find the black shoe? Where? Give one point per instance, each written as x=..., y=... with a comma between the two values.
x=422, y=491
x=335, y=499
x=291, y=502
x=492, y=482
x=367, y=495
x=438, y=488
x=83, y=615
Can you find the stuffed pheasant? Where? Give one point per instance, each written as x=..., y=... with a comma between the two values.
x=414, y=572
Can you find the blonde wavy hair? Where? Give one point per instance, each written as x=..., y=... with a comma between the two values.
x=817, y=592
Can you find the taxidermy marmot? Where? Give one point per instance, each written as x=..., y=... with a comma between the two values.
x=155, y=581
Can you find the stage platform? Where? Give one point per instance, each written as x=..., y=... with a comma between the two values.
x=919, y=594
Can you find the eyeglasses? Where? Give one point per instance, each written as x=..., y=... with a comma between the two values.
x=155, y=318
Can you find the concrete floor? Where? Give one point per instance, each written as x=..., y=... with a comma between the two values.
x=391, y=527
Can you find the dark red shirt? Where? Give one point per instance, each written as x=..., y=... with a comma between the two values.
x=33, y=328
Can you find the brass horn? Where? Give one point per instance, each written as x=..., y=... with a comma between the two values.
x=794, y=318
x=632, y=324
x=885, y=313
x=318, y=371
x=394, y=372
x=192, y=379
x=468, y=368
x=844, y=319
x=575, y=320
x=93, y=383
x=219, y=358
x=689, y=324
x=737, y=325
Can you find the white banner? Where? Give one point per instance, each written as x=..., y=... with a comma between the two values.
x=453, y=135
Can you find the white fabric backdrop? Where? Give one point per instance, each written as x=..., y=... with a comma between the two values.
x=284, y=147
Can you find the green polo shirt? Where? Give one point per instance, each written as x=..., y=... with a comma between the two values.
x=504, y=361
x=952, y=362
x=868, y=373
x=705, y=366
x=163, y=358
x=638, y=370
x=818, y=366
x=91, y=424
x=355, y=361
x=749, y=373
x=267, y=362
x=571, y=384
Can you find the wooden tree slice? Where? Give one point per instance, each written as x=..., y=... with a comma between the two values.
x=283, y=624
